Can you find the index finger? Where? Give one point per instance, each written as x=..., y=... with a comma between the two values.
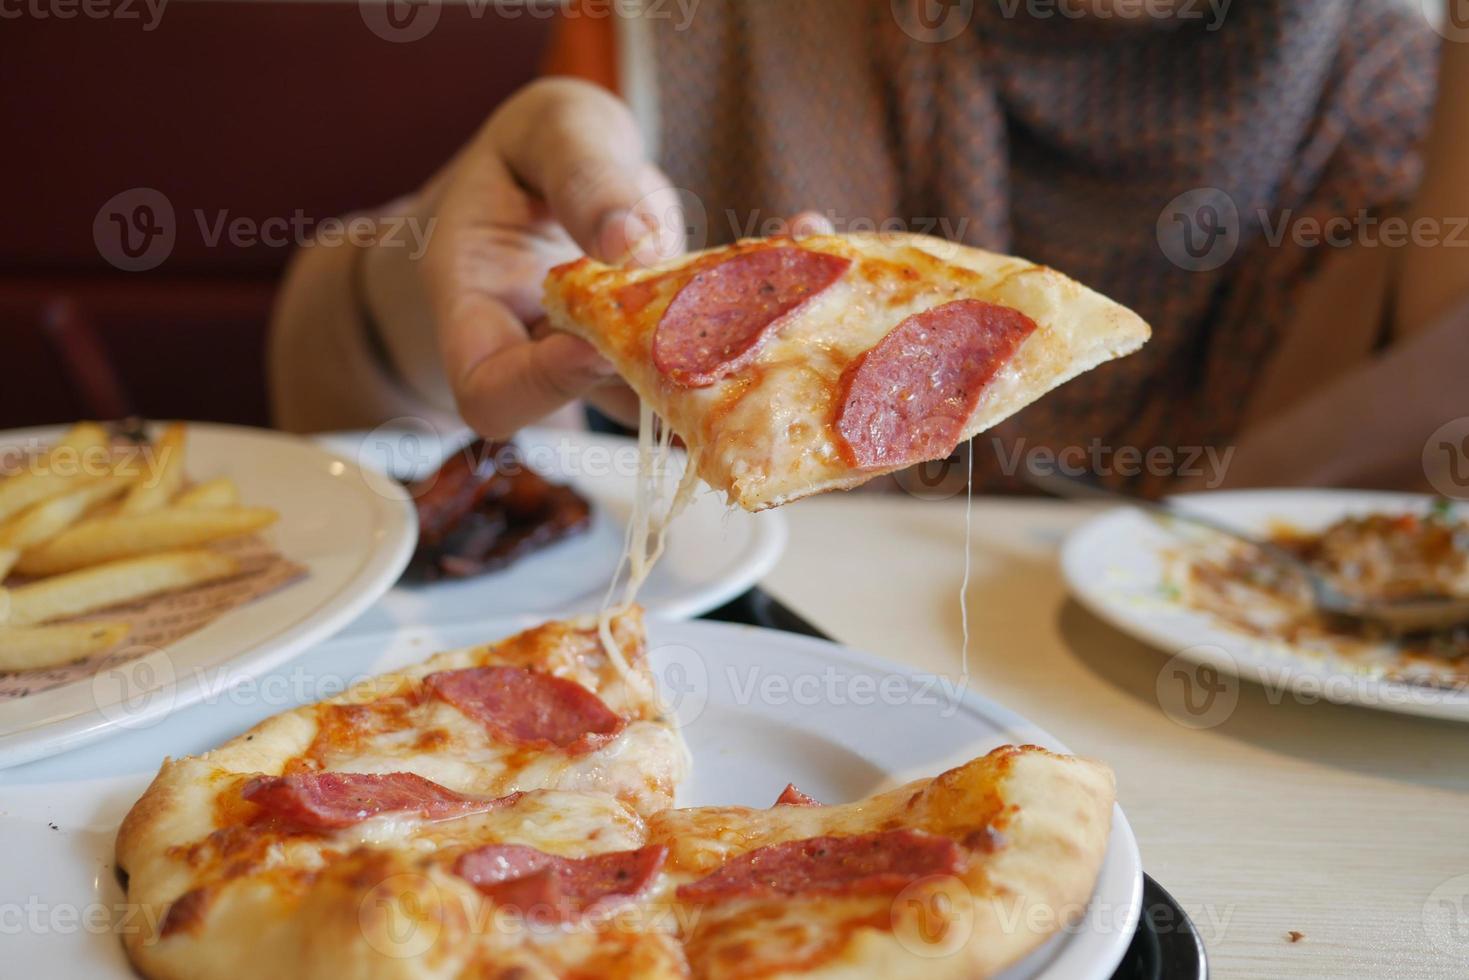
x=579, y=149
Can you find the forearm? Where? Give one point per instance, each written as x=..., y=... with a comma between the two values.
x=1368, y=427
x=326, y=369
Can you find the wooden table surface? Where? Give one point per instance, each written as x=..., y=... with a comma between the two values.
x=1347, y=825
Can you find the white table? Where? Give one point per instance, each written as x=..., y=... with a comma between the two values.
x=1337, y=822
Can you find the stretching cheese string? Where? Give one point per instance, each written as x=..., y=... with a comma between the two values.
x=647, y=527
x=964, y=585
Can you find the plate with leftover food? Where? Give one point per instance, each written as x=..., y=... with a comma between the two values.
x=147, y=566
x=1210, y=599
x=537, y=525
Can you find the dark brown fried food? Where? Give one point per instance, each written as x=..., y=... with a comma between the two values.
x=485, y=509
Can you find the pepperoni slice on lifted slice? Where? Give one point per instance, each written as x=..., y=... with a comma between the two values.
x=864, y=864
x=332, y=800
x=718, y=319
x=529, y=708
x=559, y=888
x=908, y=398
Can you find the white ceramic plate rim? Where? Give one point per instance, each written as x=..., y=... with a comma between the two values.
x=1197, y=638
x=78, y=720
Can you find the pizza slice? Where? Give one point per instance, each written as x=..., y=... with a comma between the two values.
x=321, y=842
x=796, y=366
x=957, y=876
x=339, y=875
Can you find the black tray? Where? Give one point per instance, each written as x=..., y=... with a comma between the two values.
x=1166, y=945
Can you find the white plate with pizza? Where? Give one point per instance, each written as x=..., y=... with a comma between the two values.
x=301, y=847
x=333, y=538
x=712, y=555
x=1213, y=605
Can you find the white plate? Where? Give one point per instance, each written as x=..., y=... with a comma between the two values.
x=713, y=553
x=759, y=709
x=1112, y=565
x=354, y=530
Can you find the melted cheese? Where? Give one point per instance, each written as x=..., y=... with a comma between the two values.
x=647, y=527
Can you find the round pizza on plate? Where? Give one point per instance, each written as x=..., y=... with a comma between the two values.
x=507, y=811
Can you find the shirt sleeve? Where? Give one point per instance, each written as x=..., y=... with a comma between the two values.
x=326, y=371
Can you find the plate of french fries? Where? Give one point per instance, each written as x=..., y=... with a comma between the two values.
x=144, y=567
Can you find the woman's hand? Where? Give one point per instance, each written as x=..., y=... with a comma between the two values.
x=558, y=170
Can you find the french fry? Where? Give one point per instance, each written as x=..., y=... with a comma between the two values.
x=50, y=646
x=219, y=492
x=154, y=491
x=66, y=466
x=42, y=522
x=107, y=539
x=8, y=558
x=116, y=582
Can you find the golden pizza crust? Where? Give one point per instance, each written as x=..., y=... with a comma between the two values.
x=765, y=435
x=1036, y=825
